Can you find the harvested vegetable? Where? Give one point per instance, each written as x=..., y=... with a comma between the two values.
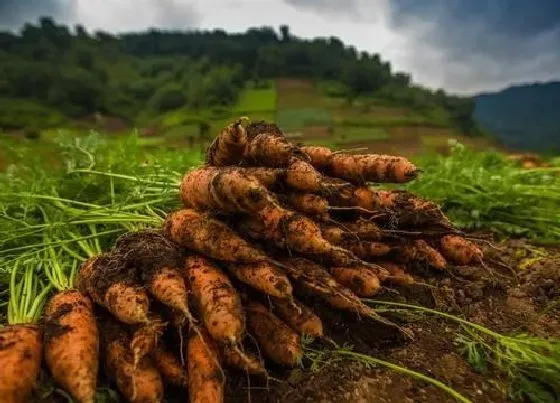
x=206, y=377
x=460, y=251
x=298, y=316
x=228, y=147
x=170, y=367
x=277, y=341
x=217, y=301
x=361, y=280
x=267, y=146
x=246, y=362
x=263, y=276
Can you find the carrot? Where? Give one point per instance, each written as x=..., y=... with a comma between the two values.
x=20, y=359
x=459, y=250
x=203, y=234
x=21, y=346
x=228, y=147
x=72, y=344
x=278, y=342
x=298, y=316
x=420, y=252
x=397, y=273
x=364, y=230
x=110, y=285
x=308, y=203
x=138, y=383
x=294, y=232
x=270, y=178
x=145, y=337
x=360, y=280
x=206, y=377
x=267, y=146
x=157, y=260
x=366, y=250
x=263, y=276
x=301, y=176
x=319, y=156
x=362, y=168
x=315, y=279
x=246, y=362
x=215, y=189
x=217, y=301
x=170, y=367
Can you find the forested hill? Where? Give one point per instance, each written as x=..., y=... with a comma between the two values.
x=525, y=116
x=51, y=73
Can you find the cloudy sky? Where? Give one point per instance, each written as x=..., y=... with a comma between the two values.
x=464, y=46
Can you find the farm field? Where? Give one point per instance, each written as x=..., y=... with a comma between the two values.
x=480, y=330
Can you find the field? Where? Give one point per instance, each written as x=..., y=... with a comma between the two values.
x=486, y=331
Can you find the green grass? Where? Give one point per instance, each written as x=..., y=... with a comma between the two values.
x=255, y=100
x=294, y=119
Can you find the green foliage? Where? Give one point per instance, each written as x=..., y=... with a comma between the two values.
x=18, y=113
x=294, y=119
x=136, y=76
x=485, y=190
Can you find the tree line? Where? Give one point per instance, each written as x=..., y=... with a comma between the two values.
x=77, y=73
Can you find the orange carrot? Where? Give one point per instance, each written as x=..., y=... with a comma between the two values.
x=145, y=337
x=217, y=301
x=72, y=344
x=170, y=367
x=294, y=232
x=459, y=250
x=397, y=273
x=203, y=234
x=420, y=252
x=105, y=281
x=206, y=377
x=263, y=276
x=298, y=316
x=228, y=147
x=267, y=146
x=278, y=342
x=366, y=250
x=319, y=156
x=360, y=280
x=302, y=176
x=308, y=203
x=20, y=361
x=138, y=383
x=215, y=189
x=246, y=362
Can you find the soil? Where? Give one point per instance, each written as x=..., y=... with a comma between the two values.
x=516, y=290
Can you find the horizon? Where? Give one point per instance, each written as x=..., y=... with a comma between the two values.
x=464, y=47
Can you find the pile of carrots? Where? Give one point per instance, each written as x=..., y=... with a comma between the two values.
x=265, y=224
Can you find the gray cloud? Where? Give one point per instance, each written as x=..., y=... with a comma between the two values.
x=469, y=45
x=14, y=13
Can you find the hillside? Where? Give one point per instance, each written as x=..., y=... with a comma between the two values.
x=53, y=76
x=523, y=117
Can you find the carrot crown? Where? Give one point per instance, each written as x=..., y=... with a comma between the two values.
x=27, y=296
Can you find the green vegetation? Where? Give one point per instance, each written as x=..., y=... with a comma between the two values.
x=295, y=119
x=136, y=77
x=486, y=191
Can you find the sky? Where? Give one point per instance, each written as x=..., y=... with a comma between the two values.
x=463, y=46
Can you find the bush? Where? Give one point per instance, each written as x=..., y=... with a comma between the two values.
x=19, y=113
x=169, y=97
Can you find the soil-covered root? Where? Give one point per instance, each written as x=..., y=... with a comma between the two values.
x=206, y=378
x=397, y=273
x=361, y=280
x=362, y=168
x=145, y=337
x=314, y=279
x=319, y=156
x=245, y=361
x=71, y=344
x=460, y=251
x=170, y=367
x=216, y=300
x=298, y=316
x=110, y=283
x=418, y=252
x=302, y=177
x=205, y=235
x=264, y=277
x=267, y=146
x=21, y=350
x=158, y=261
x=295, y=233
x=367, y=250
x=277, y=340
x=228, y=147
x=231, y=191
